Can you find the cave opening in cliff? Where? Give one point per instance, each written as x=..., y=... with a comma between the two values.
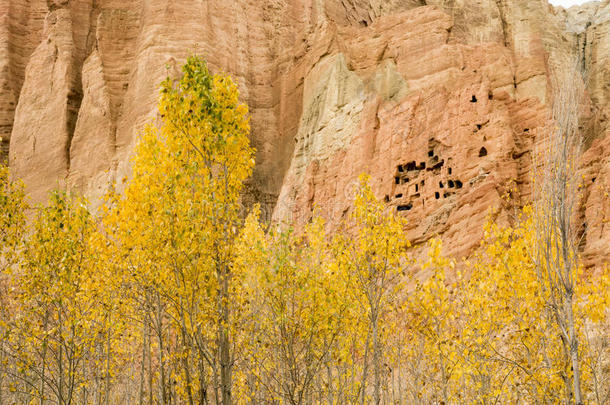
x=473, y=99
x=422, y=166
x=364, y=23
x=430, y=153
x=451, y=184
x=449, y=171
x=479, y=126
x=458, y=184
x=490, y=95
x=398, y=195
x=437, y=166
x=411, y=166
x=416, y=188
x=437, y=195
x=397, y=180
x=482, y=152
x=407, y=207
x=441, y=185
x=400, y=169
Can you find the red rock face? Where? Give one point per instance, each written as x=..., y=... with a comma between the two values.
x=442, y=102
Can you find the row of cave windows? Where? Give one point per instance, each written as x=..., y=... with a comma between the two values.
x=450, y=184
x=409, y=206
x=413, y=166
x=437, y=195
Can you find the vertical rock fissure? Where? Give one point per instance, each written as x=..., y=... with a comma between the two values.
x=91, y=41
x=23, y=25
x=75, y=92
x=74, y=102
x=505, y=29
x=583, y=47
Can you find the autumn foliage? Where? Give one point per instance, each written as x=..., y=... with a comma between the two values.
x=171, y=295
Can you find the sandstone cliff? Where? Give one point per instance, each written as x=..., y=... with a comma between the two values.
x=442, y=101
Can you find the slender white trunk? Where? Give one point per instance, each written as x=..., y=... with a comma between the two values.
x=573, y=346
x=376, y=362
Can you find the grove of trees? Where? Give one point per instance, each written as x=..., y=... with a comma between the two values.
x=171, y=295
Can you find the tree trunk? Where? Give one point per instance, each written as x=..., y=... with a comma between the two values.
x=365, y=368
x=185, y=365
x=162, y=387
x=329, y=376
x=107, y=387
x=142, y=367
x=98, y=391
x=573, y=345
x=225, y=368
x=203, y=392
x=1, y=369
x=60, y=388
x=150, y=372
x=376, y=361
x=216, y=384
x=223, y=338
x=44, y=369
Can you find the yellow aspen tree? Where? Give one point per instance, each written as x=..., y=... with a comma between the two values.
x=55, y=328
x=13, y=208
x=510, y=336
x=107, y=369
x=137, y=236
x=178, y=223
x=593, y=312
x=344, y=367
x=252, y=258
x=374, y=258
x=12, y=227
x=556, y=199
x=433, y=312
x=509, y=345
x=299, y=308
x=210, y=130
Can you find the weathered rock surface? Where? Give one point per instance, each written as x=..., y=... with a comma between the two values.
x=443, y=102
